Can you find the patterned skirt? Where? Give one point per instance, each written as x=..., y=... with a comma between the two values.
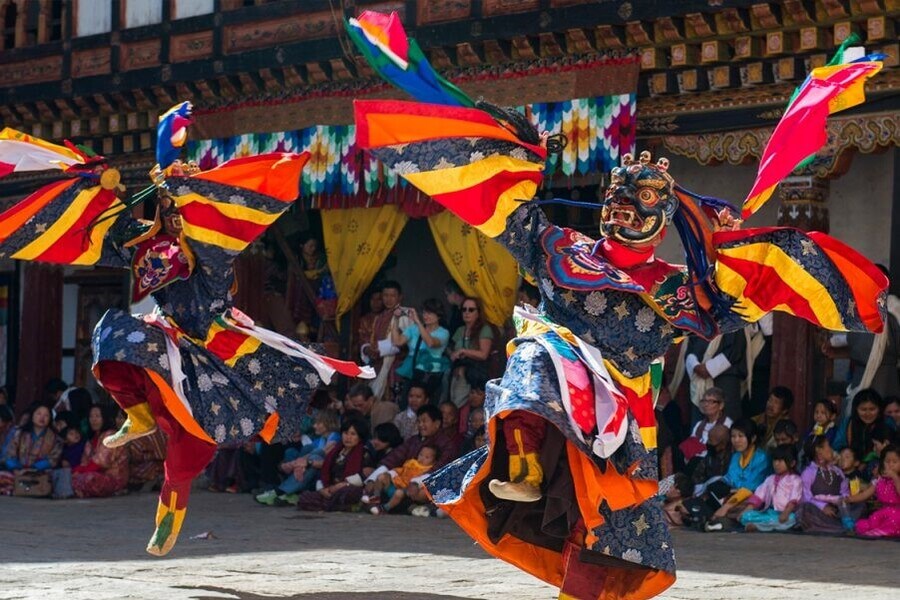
x=626, y=547
x=231, y=383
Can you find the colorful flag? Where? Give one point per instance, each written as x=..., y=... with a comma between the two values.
x=801, y=131
x=21, y=152
x=400, y=61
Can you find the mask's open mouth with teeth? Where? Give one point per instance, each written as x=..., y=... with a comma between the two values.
x=625, y=217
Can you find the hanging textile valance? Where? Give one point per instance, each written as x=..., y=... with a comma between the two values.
x=338, y=173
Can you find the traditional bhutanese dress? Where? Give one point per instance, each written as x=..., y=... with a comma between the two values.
x=583, y=362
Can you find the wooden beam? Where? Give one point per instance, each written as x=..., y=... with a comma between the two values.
x=613, y=37
x=316, y=73
x=340, y=70
x=799, y=12
x=732, y=20
x=577, y=42
x=548, y=45
x=206, y=91
x=292, y=77
x=467, y=54
x=669, y=29
x=248, y=84
x=699, y=25
x=636, y=34
x=496, y=51
x=142, y=101
x=765, y=16
x=835, y=9
x=66, y=110
x=273, y=80
x=440, y=58
x=104, y=104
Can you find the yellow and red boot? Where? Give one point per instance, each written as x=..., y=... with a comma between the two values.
x=170, y=514
x=525, y=474
x=140, y=422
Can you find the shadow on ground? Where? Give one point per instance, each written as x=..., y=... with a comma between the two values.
x=116, y=529
x=384, y=595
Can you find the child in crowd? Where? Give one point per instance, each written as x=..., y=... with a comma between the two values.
x=824, y=488
x=824, y=415
x=772, y=505
x=416, y=397
x=787, y=433
x=474, y=401
x=747, y=471
x=476, y=425
x=851, y=467
x=301, y=467
x=393, y=484
x=885, y=521
x=73, y=447
x=778, y=406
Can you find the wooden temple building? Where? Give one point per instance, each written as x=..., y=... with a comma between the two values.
x=706, y=79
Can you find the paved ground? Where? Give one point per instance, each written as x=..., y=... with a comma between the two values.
x=93, y=549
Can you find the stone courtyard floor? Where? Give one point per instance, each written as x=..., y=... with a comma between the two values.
x=93, y=549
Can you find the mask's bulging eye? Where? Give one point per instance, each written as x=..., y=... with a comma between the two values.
x=648, y=196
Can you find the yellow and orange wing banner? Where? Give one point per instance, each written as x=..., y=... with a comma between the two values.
x=461, y=157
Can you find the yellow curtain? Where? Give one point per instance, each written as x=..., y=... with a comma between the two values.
x=357, y=240
x=482, y=267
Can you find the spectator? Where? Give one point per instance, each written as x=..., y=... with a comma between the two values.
x=361, y=398
x=426, y=342
x=866, y=425
x=428, y=421
x=34, y=446
x=393, y=484
x=475, y=437
x=224, y=472
x=787, y=433
x=367, y=321
x=824, y=415
x=474, y=401
x=892, y=412
x=824, y=489
x=472, y=344
x=712, y=406
x=778, y=407
x=455, y=297
x=379, y=351
x=851, y=467
x=145, y=462
x=529, y=295
x=7, y=429
x=53, y=390
x=772, y=505
x=77, y=401
x=103, y=471
x=450, y=421
x=722, y=363
x=885, y=521
x=73, y=447
x=718, y=456
x=301, y=467
x=416, y=398
x=748, y=469
x=385, y=438
x=343, y=470
x=699, y=505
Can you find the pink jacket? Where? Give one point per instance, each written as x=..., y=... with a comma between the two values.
x=777, y=491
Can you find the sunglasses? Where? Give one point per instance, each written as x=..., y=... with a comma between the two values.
x=470, y=309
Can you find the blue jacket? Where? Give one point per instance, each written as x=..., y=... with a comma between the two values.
x=752, y=475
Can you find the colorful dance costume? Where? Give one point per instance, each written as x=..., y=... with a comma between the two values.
x=196, y=366
x=566, y=487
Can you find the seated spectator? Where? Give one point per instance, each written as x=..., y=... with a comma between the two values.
x=416, y=398
x=340, y=482
x=375, y=412
x=718, y=456
x=778, y=407
x=7, y=430
x=866, y=425
x=103, y=471
x=224, y=472
x=471, y=347
x=475, y=400
x=673, y=491
x=709, y=469
x=529, y=295
x=73, y=447
x=427, y=342
x=64, y=420
x=824, y=489
x=712, y=406
x=787, y=433
x=851, y=467
x=892, y=412
x=772, y=505
x=393, y=484
x=824, y=415
x=476, y=438
x=145, y=461
x=430, y=433
x=748, y=469
x=885, y=521
x=35, y=446
x=385, y=438
x=450, y=421
x=301, y=467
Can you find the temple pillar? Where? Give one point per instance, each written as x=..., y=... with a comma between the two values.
x=796, y=360
x=40, y=339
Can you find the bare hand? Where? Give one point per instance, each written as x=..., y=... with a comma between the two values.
x=326, y=491
x=784, y=516
x=829, y=510
x=700, y=371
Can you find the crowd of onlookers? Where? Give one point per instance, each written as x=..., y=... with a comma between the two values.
x=56, y=448
x=765, y=474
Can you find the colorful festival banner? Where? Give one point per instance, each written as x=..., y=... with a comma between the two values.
x=599, y=131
